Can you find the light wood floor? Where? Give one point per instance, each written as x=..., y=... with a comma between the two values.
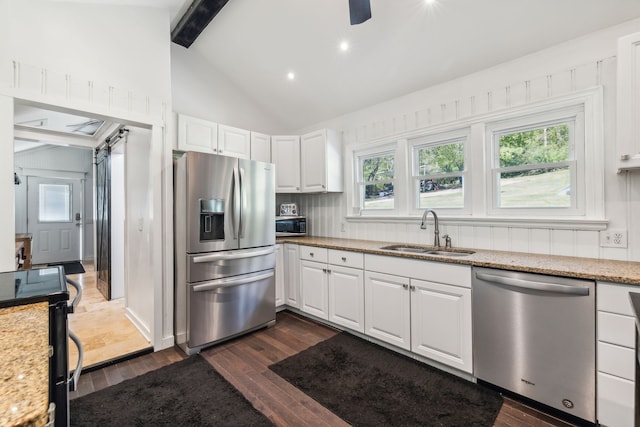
x=244, y=363
x=102, y=326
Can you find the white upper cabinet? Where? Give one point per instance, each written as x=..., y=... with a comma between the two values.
x=285, y=154
x=260, y=147
x=321, y=162
x=234, y=142
x=628, y=102
x=209, y=137
x=197, y=135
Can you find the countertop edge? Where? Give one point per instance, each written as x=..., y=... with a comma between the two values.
x=623, y=272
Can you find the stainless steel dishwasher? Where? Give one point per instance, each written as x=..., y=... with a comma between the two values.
x=534, y=335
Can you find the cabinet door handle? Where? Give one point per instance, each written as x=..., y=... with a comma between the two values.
x=405, y=286
x=311, y=254
x=412, y=287
x=328, y=271
x=324, y=270
x=344, y=259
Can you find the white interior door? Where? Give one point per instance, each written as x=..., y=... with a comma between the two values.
x=54, y=219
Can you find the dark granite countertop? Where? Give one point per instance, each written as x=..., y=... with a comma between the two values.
x=626, y=272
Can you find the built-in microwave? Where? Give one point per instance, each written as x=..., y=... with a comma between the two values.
x=291, y=226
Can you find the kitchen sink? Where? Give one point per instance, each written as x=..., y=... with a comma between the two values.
x=426, y=250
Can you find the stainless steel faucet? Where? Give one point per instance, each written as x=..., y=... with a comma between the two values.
x=436, y=230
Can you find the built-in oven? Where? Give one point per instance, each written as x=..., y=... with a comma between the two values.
x=291, y=226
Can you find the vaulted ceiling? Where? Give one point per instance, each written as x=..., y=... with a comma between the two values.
x=407, y=45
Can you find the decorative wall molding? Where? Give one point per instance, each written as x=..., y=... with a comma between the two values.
x=65, y=89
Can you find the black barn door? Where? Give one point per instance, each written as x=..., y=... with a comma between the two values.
x=103, y=220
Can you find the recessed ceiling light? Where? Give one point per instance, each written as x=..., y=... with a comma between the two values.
x=291, y=75
x=344, y=46
x=429, y=2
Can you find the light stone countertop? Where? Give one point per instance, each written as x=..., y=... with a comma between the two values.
x=626, y=272
x=24, y=365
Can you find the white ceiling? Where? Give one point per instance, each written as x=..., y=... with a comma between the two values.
x=406, y=46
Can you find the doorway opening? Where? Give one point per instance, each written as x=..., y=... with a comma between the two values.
x=56, y=205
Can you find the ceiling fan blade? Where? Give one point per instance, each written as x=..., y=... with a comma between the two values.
x=359, y=11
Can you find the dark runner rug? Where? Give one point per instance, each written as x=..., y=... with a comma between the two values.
x=368, y=385
x=185, y=393
x=73, y=267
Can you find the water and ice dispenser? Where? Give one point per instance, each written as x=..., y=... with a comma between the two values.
x=211, y=219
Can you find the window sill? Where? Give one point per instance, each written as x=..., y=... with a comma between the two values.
x=524, y=222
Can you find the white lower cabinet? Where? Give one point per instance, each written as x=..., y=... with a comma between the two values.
x=332, y=286
x=441, y=323
x=346, y=297
x=421, y=306
x=615, y=401
x=314, y=289
x=387, y=314
x=292, y=275
x=280, y=275
x=615, y=355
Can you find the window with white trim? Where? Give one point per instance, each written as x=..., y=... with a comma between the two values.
x=438, y=171
x=540, y=163
x=536, y=164
x=376, y=178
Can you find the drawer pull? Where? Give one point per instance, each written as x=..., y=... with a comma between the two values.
x=344, y=259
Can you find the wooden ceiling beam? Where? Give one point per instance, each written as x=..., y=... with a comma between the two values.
x=195, y=20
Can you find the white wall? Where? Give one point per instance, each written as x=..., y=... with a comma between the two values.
x=200, y=90
x=7, y=231
x=139, y=233
x=109, y=61
x=126, y=47
x=583, y=63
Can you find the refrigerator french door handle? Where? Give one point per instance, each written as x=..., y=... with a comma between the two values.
x=235, y=217
x=227, y=283
x=244, y=204
x=222, y=256
x=536, y=286
x=73, y=380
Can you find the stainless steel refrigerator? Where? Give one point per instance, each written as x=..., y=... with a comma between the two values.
x=224, y=216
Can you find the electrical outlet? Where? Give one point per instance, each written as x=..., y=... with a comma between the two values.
x=613, y=238
x=343, y=227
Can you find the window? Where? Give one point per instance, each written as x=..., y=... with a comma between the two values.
x=438, y=172
x=535, y=164
x=538, y=163
x=55, y=203
x=376, y=174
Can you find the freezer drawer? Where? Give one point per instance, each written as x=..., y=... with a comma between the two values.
x=216, y=265
x=222, y=308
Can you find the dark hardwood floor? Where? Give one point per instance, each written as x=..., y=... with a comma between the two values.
x=244, y=363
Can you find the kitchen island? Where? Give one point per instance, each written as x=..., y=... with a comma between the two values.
x=24, y=383
x=34, y=347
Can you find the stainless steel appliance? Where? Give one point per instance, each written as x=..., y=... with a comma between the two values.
x=224, y=248
x=49, y=284
x=289, y=209
x=534, y=335
x=291, y=226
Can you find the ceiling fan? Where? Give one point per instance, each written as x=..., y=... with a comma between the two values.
x=359, y=11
